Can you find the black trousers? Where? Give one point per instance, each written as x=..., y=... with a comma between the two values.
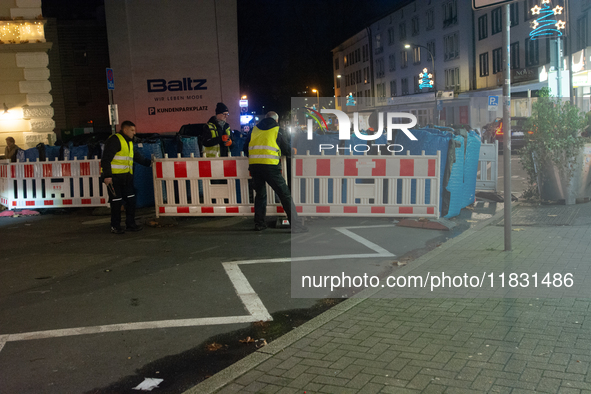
x=261, y=175
x=124, y=192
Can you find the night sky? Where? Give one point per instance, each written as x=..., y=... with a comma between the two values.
x=284, y=46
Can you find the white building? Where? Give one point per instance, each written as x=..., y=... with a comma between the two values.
x=467, y=60
x=353, y=74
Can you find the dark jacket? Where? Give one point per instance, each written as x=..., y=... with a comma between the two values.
x=208, y=140
x=282, y=137
x=112, y=146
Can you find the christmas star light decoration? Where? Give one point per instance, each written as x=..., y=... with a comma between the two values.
x=547, y=24
x=426, y=80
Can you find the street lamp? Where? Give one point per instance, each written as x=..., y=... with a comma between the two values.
x=317, y=96
x=408, y=46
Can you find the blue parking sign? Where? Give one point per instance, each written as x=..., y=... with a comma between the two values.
x=110, y=81
x=493, y=100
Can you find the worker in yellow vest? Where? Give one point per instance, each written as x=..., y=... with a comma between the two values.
x=117, y=173
x=265, y=146
x=217, y=141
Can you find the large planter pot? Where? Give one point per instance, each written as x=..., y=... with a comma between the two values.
x=554, y=186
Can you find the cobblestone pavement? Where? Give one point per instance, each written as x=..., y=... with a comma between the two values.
x=458, y=344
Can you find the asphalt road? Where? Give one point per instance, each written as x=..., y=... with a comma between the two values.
x=83, y=310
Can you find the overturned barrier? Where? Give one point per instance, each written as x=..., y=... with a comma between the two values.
x=394, y=186
x=56, y=184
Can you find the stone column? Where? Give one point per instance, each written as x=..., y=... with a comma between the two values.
x=25, y=100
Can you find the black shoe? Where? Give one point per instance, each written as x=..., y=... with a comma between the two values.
x=117, y=230
x=299, y=230
x=260, y=227
x=135, y=227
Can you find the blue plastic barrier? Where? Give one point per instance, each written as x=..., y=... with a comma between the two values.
x=142, y=176
x=190, y=145
x=53, y=153
x=471, y=168
x=455, y=184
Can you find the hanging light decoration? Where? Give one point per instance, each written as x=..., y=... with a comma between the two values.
x=548, y=23
x=425, y=80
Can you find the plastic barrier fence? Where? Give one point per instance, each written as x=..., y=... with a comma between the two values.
x=52, y=184
x=208, y=186
x=488, y=164
x=402, y=186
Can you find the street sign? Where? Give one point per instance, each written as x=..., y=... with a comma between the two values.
x=493, y=103
x=479, y=4
x=243, y=103
x=439, y=105
x=110, y=81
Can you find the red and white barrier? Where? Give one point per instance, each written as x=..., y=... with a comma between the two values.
x=56, y=184
x=367, y=185
x=207, y=186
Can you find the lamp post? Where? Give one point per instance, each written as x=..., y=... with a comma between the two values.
x=408, y=46
x=317, y=96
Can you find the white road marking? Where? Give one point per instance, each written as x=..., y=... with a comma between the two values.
x=363, y=241
x=244, y=290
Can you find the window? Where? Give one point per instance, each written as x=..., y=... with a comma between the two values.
x=452, y=78
x=484, y=64
x=338, y=83
x=359, y=80
x=336, y=63
x=515, y=55
x=431, y=48
x=450, y=13
x=430, y=19
x=483, y=27
x=582, y=33
x=367, y=73
x=393, y=90
x=496, y=20
x=497, y=60
x=358, y=54
x=514, y=14
x=532, y=54
x=379, y=48
x=416, y=84
x=402, y=30
x=452, y=49
x=404, y=86
x=381, y=90
x=392, y=62
x=416, y=55
x=415, y=25
x=403, y=59
x=391, y=36
x=345, y=61
x=379, y=68
x=364, y=52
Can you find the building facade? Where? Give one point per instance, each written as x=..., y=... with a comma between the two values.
x=25, y=100
x=460, y=50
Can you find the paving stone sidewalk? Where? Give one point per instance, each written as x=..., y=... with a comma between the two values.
x=439, y=345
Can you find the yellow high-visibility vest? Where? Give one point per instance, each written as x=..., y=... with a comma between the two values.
x=263, y=148
x=213, y=151
x=122, y=163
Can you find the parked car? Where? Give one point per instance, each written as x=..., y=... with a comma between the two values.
x=494, y=131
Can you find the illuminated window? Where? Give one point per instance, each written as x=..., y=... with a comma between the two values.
x=484, y=64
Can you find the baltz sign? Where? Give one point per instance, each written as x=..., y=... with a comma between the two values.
x=161, y=85
x=345, y=129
